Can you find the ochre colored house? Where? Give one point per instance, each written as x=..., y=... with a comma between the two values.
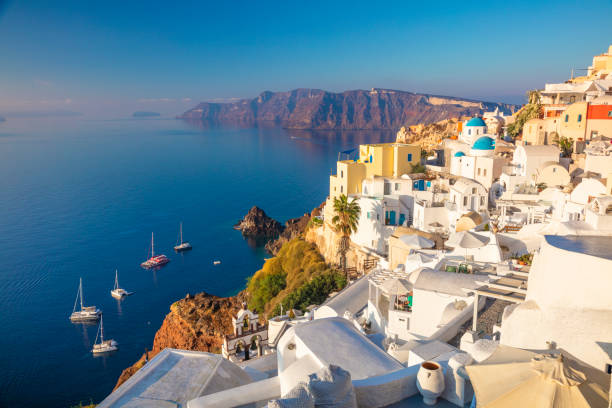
x=384, y=159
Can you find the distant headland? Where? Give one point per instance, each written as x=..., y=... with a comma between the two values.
x=145, y=114
x=359, y=109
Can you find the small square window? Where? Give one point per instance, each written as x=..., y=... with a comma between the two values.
x=409, y=157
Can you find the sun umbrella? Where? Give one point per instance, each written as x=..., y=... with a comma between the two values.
x=418, y=257
x=396, y=285
x=416, y=260
x=416, y=241
x=523, y=379
x=467, y=240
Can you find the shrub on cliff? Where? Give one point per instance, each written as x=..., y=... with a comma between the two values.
x=298, y=263
x=313, y=292
x=532, y=110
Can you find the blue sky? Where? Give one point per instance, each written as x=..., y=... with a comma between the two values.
x=111, y=58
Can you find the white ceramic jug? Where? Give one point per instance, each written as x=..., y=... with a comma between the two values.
x=430, y=381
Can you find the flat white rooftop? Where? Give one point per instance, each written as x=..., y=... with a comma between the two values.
x=336, y=341
x=598, y=246
x=174, y=377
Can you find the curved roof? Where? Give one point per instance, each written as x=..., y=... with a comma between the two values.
x=352, y=299
x=459, y=154
x=476, y=122
x=484, y=143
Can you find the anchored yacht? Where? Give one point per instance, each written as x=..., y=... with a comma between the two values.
x=85, y=313
x=155, y=260
x=117, y=292
x=183, y=246
x=105, y=346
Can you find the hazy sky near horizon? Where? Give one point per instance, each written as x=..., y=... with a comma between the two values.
x=111, y=58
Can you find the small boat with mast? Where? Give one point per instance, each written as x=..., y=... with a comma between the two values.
x=183, y=246
x=85, y=313
x=117, y=292
x=155, y=260
x=105, y=346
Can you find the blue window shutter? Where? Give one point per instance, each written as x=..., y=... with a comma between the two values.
x=409, y=156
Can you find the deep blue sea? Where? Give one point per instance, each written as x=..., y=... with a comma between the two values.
x=80, y=198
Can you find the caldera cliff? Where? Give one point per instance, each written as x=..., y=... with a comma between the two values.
x=358, y=109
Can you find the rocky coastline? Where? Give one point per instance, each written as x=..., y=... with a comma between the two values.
x=196, y=322
x=199, y=322
x=293, y=228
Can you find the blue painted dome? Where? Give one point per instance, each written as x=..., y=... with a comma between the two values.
x=476, y=122
x=484, y=143
x=459, y=154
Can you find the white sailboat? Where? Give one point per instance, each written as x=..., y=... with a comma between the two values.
x=117, y=292
x=104, y=346
x=183, y=246
x=86, y=313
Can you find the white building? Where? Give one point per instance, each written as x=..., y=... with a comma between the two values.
x=598, y=159
x=385, y=204
x=468, y=195
x=557, y=97
x=527, y=162
x=568, y=303
x=472, y=130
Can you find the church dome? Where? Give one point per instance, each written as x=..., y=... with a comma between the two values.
x=459, y=154
x=476, y=122
x=484, y=143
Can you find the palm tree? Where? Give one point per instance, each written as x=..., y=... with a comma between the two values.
x=345, y=222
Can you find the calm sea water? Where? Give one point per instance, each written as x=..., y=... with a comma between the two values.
x=80, y=198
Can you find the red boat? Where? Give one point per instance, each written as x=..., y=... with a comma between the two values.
x=155, y=260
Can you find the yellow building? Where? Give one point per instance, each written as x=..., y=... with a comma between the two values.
x=601, y=68
x=574, y=121
x=541, y=131
x=384, y=159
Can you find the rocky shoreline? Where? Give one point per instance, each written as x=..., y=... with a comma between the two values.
x=199, y=322
x=196, y=322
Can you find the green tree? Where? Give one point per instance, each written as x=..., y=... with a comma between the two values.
x=417, y=168
x=532, y=110
x=345, y=223
x=565, y=145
